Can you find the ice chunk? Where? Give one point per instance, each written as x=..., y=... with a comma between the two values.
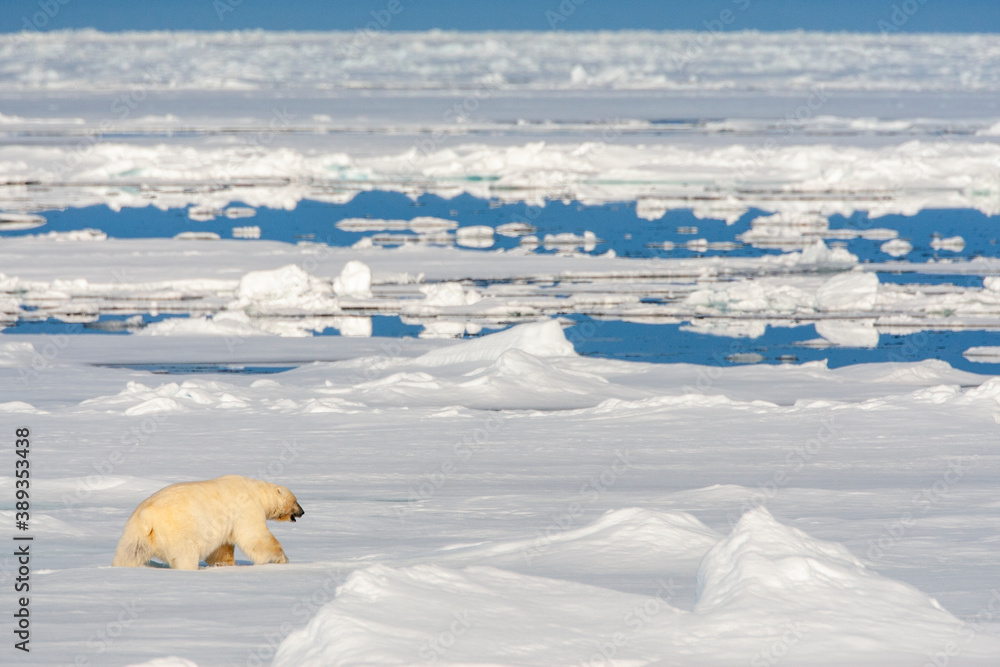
x=951, y=244
x=849, y=333
x=476, y=236
x=287, y=288
x=246, y=232
x=448, y=294
x=848, y=292
x=197, y=236
x=233, y=212
x=355, y=280
x=420, y=224
x=514, y=229
x=983, y=353
x=896, y=247
x=10, y=222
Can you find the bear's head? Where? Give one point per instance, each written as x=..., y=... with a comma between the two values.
x=284, y=507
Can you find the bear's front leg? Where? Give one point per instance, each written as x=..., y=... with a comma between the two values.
x=221, y=556
x=263, y=549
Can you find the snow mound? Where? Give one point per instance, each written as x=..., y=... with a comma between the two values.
x=19, y=406
x=766, y=591
x=138, y=399
x=521, y=381
x=928, y=372
x=539, y=339
x=630, y=540
x=286, y=289
x=987, y=390
x=515, y=380
x=427, y=614
x=17, y=354
x=782, y=576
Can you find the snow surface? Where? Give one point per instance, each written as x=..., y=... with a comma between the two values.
x=504, y=499
x=539, y=506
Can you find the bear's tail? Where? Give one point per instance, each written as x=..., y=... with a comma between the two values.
x=135, y=547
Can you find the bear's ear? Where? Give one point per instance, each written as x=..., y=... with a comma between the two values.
x=278, y=489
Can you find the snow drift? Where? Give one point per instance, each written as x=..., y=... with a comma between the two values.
x=767, y=592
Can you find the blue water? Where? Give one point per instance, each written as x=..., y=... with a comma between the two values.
x=615, y=223
x=620, y=230
x=671, y=343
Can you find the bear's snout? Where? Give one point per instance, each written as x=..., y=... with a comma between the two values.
x=297, y=511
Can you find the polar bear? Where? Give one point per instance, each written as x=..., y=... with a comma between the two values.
x=187, y=522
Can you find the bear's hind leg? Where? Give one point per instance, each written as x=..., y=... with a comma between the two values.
x=185, y=561
x=221, y=556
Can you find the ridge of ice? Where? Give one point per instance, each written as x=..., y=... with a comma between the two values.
x=766, y=584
